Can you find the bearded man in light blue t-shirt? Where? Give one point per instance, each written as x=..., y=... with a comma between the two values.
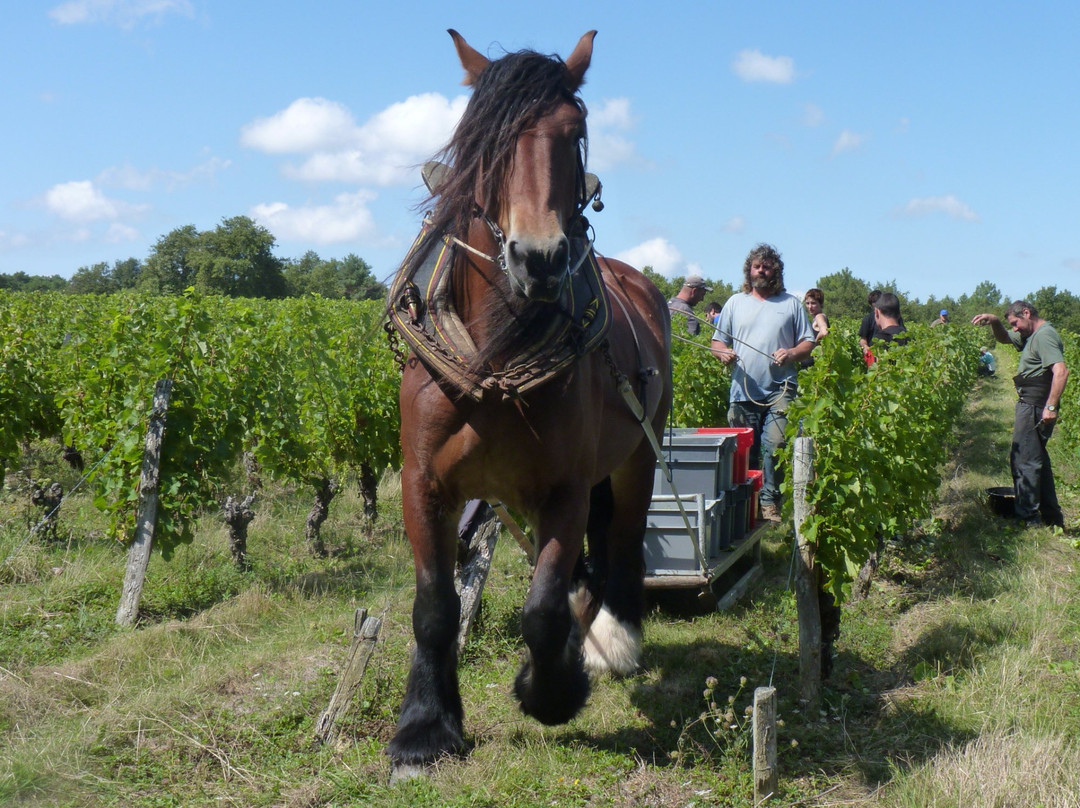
x=763, y=333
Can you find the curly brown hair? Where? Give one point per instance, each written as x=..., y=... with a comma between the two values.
x=768, y=255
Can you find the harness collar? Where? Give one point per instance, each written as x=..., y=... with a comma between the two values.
x=421, y=309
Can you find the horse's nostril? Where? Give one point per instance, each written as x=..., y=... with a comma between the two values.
x=562, y=253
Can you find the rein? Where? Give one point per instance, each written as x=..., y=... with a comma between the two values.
x=786, y=385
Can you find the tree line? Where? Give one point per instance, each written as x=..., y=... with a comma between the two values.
x=235, y=259
x=845, y=297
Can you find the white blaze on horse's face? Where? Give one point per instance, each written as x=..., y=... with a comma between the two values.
x=540, y=203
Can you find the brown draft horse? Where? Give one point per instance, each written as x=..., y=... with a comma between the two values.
x=569, y=455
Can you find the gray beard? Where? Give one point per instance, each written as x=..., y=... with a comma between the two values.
x=765, y=285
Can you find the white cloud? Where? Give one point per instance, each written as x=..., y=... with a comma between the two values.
x=419, y=125
x=607, y=150
x=383, y=151
x=119, y=233
x=122, y=13
x=813, y=115
x=130, y=178
x=948, y=205
x=386, y=149
x=347, y=219
x=353, y=166
x=79, y=234
x=608, y=147
x=80, y=201
x=658, y=253
x=307, y=124
x=10, y=241
x=847, y=141
x=736, y=224
x=613, y=112
x=753, y=65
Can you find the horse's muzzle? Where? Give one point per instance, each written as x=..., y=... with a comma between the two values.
x=539, y=269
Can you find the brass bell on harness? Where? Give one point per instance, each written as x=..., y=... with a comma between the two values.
x=593, y=189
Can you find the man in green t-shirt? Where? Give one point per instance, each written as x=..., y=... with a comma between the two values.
x=1040, y=381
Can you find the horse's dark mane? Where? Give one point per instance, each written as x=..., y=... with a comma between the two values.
x=510, y=96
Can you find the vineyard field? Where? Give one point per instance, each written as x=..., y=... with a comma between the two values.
x=955, y=668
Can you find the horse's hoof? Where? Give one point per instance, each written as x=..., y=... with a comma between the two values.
x=406, y=771
x=552, y=697
x=421, y=742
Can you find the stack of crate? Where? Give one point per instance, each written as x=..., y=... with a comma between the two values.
x=702, y=465
x=741, y=497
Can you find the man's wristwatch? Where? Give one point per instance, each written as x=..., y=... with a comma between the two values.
x=1052, y=407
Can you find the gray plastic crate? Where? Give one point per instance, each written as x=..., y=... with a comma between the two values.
x=669, y=548
x=699, y=463
x=726, y=532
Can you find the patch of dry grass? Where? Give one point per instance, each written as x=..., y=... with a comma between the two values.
x=995, y=770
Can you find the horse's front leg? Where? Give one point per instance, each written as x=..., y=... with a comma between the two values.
x=552, y=685
x=430, y=724
x=613, y=641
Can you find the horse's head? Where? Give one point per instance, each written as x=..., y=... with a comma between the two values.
x=519, y=152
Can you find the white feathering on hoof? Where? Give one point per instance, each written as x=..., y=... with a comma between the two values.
x=579, y=605
x=612, y=645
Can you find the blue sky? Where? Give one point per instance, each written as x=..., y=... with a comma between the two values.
x=930, y=143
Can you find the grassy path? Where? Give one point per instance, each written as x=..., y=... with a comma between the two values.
x=988, y=643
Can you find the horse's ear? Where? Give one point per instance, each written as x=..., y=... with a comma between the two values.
x=472, y=60
x=578, y=61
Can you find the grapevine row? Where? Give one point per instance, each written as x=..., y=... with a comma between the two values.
x=880, y=436
x=308, y=386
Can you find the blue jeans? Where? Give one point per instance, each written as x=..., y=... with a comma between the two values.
x=768, y=423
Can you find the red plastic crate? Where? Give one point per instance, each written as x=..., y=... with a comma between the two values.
x=757, y=479
x=744, y=436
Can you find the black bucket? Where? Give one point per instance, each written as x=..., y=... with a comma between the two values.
x=1002, y=500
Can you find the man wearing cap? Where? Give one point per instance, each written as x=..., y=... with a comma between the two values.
x=692, y=292
x=942, y=318
x=1040, y=381
x=763, y=333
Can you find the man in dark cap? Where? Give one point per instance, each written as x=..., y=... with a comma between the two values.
x=692, y=292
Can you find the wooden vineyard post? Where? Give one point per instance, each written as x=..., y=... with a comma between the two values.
x=480, y=529
x=766, y=776
x=365, y=635
x=806, y=590
x=146, y=515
